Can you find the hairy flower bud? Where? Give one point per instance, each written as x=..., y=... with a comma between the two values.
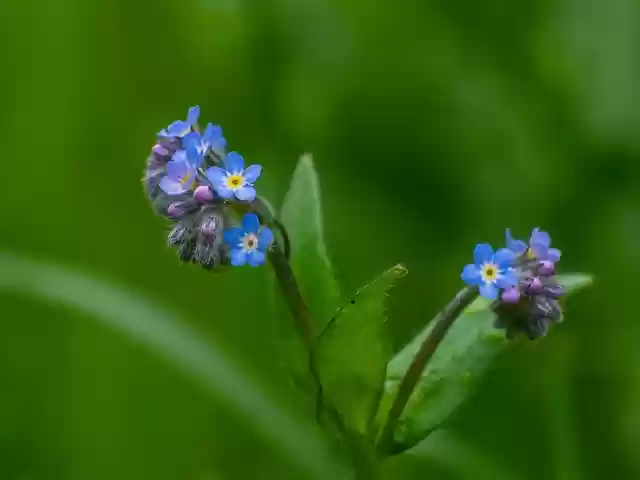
x=203, y=194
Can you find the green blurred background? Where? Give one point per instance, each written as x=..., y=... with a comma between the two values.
x=434, y=125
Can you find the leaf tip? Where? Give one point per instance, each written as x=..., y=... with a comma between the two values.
x=399, y=270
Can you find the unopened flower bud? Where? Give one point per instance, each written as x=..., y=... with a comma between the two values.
x=174, y=210
x=210, y=226
x=160, y=152
x=534, y=286
x=546, y=268
x=511, y=295
x=203, y=194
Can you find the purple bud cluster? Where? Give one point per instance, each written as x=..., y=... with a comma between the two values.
x=530, y=306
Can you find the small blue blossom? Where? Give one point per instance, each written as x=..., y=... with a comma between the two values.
x=491, y=270
x=248, y=243
x=181, y=172
x=539, y=247
x=233, y=179
x=211, y=139
x=181, y=128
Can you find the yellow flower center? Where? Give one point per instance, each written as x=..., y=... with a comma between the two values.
x=489, y=272
x=235, y=181
x=187, y=180
x=531, y=255
x=250, y=242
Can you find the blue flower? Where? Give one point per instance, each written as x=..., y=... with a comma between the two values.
x=491, y=271
x=233, y=179
x=248, y=243
x=211, y=139
x=180, y=128
x=539, y=247
x=181, y=172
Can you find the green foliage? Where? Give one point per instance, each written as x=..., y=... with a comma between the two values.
x=351, y=355
x=301, y=214
x=167, y=335
x=456, y=367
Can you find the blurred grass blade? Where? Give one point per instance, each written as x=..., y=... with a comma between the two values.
x=458, y=364
x=301, y=214
x=352, y=354
x=460, y=458
x=149, y=324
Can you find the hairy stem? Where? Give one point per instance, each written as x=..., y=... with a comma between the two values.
x=442, y=323
x=285, y=276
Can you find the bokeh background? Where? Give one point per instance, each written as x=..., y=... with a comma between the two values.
x=434, y=125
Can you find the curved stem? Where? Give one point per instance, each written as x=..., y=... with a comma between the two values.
x=289, y=287
x=285, y=276
x=442, y=323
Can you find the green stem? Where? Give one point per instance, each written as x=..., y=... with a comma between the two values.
x=285, y=276
x=291, y=291
x=442, y=323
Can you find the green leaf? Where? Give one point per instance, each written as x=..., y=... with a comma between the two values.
x=149, y=324
x=352, y=354
x=458, y=364
x=301, y=214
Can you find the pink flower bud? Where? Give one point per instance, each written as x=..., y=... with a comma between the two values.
x=174, y=210
x=511, y=295
x=203, y=194
x=547, y=268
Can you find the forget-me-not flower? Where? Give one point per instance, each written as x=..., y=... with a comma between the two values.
x=248, y=243
x=181, y=128
x=233, y=179
x=539, y=247
x=181, y=172
x=491, y=270
x=211, y=139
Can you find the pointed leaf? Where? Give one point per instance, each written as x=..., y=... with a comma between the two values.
x=458, y=364
x=302, y=216
x=352, y=354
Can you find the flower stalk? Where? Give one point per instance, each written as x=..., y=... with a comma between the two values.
x=442, y=323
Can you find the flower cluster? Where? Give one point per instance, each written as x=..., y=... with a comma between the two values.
x=191, y=180
x=520, y=279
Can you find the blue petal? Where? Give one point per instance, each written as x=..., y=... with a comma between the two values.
x=504, y=258
x=194, y=157
x=175, y=170
x=540, y=237
x=517, y=246
x=265, y=238
x=489, y=291
x=250, y=223
x=218, y=143
x=212, y=132
x=247, y=194
x=234, y=163
x=508, y=279
x=483, y=253
x=172, y=187
x=256, y=258
x=224, y=191
x=554, y=255
x=233, y=237
x=179, y=156
x=252, y=173
x=540, y=250
x=178, y=128
x=238, y=257
x=216, y=176
x=193, y=114
x=471, y=275
x=192, y=140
